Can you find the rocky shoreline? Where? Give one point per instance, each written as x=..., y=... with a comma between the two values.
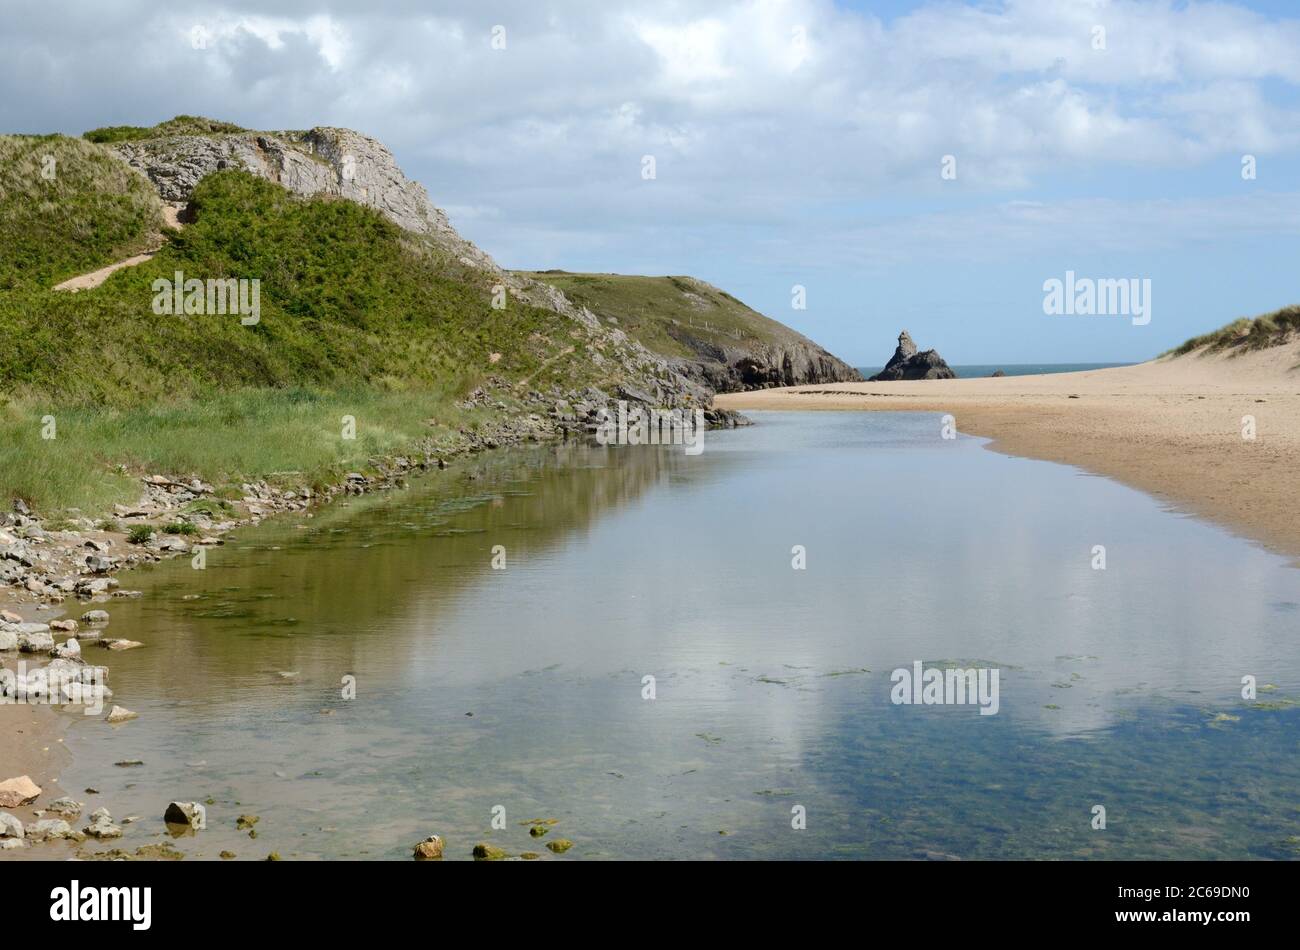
x=44, y=569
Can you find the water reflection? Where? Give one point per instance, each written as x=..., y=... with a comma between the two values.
x=524, y=687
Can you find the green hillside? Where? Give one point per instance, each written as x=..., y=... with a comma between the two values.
x=357, y=317
x=665, y=312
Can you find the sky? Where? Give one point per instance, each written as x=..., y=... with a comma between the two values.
x=918, y=165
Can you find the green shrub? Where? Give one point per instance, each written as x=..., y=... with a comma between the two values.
x=139, y=534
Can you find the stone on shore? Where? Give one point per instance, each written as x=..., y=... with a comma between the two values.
x=120, y=714
x=10, y=827
x=191, y=814
x=51, y=828
x=65, y=808
x=430, y=849
x=121, y=644
x=18, y=791
x=101, y=825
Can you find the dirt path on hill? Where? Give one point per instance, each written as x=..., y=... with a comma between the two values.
x=171, y=215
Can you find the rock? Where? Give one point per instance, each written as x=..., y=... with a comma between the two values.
x=997, y=374
x=10, y=827
x=8, y=640
x=7, y=616
x=190, y=814
x=538, y=830
x=101, y=825
x=49, y=829
x=65, y=808
x=95, y=616
x=122, y=644
x=244, y=822
x=34, y=638
x=227, y=855
x=936, y=856
x=120, y=714
x=907, y=363
x=9, y=844
x=487, y=852
x=64, y=626
x=430, y=849
x=18, y=791
x=559, y=845
x=68, y=650
x=529, y=855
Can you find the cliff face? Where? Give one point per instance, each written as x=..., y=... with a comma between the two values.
x=347, y=164
x=708, y=335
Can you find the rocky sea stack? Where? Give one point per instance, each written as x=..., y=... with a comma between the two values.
x=908, y=363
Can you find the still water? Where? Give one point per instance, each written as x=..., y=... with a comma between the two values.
x=524, y=687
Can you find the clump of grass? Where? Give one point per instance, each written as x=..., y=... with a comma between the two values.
x=1245, y=334
x=180, y=527
x=139, y=534
x=108, y=524
x=180, y=125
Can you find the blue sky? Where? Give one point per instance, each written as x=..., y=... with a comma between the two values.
x=795, y=141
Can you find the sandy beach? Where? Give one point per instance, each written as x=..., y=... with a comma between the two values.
x=1170, y=427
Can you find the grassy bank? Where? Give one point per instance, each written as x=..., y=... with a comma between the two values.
x=293, y=435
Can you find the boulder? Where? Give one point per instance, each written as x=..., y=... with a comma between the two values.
x=10, y=827
x=909, y=363
x=50, y=828
x=430, y=849
x=95, y=616
x=487, y=852
x=121, y=714
x=65, y=808
x=559, y=845
x=191, y=814
x=18, y=791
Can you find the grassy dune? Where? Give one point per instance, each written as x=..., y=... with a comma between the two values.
x=1246, y=334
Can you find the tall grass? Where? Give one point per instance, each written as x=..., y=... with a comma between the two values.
x=1245, y=334
x=97, y=455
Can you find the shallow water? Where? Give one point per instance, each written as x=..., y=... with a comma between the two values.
x=772, y=684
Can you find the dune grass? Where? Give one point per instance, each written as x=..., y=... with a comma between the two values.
x=180, y=125
x=1246, y=334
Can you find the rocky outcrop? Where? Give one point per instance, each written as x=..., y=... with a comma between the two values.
x=908, y=363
